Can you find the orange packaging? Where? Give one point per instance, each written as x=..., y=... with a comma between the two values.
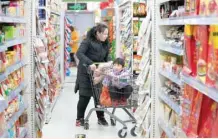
x=188, y=97
x=192, y=7
x=201, y=37
x=208, y=7
x=212, y=66
x=190, y=59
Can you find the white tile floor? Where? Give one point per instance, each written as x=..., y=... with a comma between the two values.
x=62, y=123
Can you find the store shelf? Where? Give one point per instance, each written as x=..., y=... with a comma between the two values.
x=13, y=94
x=198, y=20
x=7, y=44
x=173, y=105
x=11, y=69
x=16, y=116
x=171, y=76
x=171, y=49
x=8, y=19
x=208, y=91
x=5, y=135
x=55, y=13
x=168, y=130
x=163, y=1
x=3, y=105
x=23, y=132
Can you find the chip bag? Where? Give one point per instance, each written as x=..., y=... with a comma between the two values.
x=105, y=98
x=212, y=66
x=195, y=115
x=190, y=59
x=208, y=115
x=201, y=36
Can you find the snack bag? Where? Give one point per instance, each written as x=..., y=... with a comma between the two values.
x=201, y=36
x=105, y=98
x=208, y=115
x=212, y=66
x=208, y=7
x=188, y=97
x=191, y=7
x=195, y=115
x=190, y=59
x=214, y=133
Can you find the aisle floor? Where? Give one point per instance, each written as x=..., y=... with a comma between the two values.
x=62, y=123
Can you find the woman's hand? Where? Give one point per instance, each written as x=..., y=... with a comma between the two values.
x=93, y=67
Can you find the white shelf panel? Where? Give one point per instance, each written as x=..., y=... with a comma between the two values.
x=8, y=19
x=168, y=130
x=11, y=69
x=173, y=105
x=171, y=76
x=7, y=44
x=16, y=116
x=3, y=105
x=198, y=20
x=208, y=91
x=55, y=13
x=170, y=48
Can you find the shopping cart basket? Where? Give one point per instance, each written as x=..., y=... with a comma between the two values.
x=119, y=102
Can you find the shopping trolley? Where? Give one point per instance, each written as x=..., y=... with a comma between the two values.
x=125, y=104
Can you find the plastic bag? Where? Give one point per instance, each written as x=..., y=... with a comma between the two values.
x=105, y=98
x=208, y=115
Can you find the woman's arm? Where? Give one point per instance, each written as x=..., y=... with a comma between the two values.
x=81, y=53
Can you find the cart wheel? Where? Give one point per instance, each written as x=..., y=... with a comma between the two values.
x=122, y=133
x=113, y=122
x=86, y=126
x=133, y=131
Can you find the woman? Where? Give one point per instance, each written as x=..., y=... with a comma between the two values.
x=95, y=48
x=74, y=44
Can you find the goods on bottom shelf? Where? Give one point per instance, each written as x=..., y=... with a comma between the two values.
x=199, y=114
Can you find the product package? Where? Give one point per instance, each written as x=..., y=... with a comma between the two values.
x=192, y=7
x=212, y=66
x=188, y=97
x=201, y=35
x=214, y=133
x=208, y=116
x=208, y=7
x=190, y=58
x=192, y=131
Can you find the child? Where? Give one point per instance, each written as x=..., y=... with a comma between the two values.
x=118, y=81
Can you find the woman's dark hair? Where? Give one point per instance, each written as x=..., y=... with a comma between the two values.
x=71, y=28
x=119, y=61
x=92, y=34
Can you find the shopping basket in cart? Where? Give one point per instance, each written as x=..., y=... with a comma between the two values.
x=118, y=100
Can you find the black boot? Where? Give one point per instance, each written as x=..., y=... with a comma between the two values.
x=102, y=121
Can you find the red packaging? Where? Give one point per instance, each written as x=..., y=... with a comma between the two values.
x=208, y=115
x=214, y=133
x=190, y=59
x=208, y=7
x=212, y=66
x=188, y=97
x=195, y=115
x=192, y=7
x=201, y=36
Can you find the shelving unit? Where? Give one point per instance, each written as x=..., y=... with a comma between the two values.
x=13, y=83
x=162, y=77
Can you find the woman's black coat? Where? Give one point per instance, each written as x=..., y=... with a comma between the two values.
x=90, y=51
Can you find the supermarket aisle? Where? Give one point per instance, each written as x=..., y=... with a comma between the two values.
x=62, y=123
